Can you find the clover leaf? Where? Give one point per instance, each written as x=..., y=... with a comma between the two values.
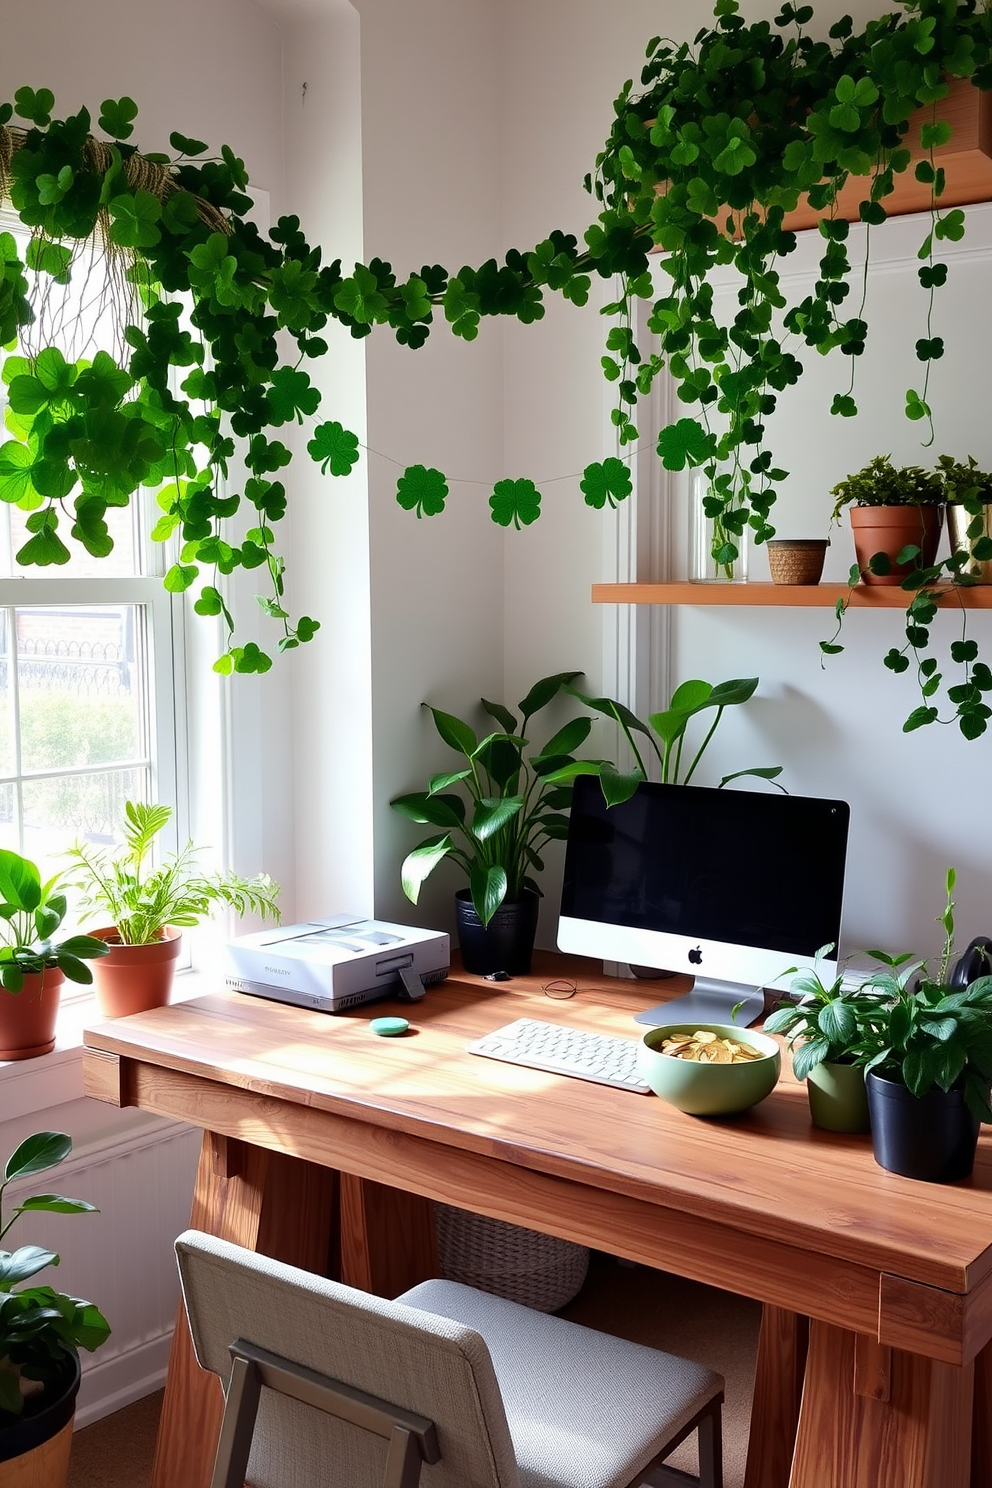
x=515, y=503
x=334, y=448
x=117, y=117
x=292, y=395
x=608, y=481
x=422, y=490
x=685, y=443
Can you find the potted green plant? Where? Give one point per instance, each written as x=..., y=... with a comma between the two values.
x=41, y=1332
x=33, y=965
x=968, y=493
x=149, y=905
x=495, y=814
x=828, y=1030
x=667, y=733
x=897, y=513
x=928, y=1069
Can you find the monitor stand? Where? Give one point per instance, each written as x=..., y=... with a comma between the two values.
x=709, y=1001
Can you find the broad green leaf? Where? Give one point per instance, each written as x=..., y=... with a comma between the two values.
x=36, y=1153
x=488, y=889
x=685, y=443
x=419, y=864
x=456, y=734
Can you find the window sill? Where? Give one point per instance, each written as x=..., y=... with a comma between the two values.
x=31, y=1085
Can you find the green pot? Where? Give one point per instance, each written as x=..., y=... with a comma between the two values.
x=838, y=1101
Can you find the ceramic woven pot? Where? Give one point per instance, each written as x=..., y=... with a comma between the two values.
x=889, y=529
x=28, y=1017
x=132, y=979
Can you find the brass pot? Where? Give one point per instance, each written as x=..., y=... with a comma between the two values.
x=958, y=522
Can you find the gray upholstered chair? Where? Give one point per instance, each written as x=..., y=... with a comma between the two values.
x=477, y=1391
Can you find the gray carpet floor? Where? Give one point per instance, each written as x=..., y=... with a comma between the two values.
x=634, y=1302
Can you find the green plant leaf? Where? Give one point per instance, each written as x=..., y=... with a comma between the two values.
x=117, y=116
x=607, y=481
x=685, y=443
x=44, y=1149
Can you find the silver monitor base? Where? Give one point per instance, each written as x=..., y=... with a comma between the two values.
x=708, y=1002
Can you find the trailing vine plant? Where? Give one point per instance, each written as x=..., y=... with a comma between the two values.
x=724, y=138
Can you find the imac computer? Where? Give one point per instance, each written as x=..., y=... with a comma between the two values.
x=733, y=887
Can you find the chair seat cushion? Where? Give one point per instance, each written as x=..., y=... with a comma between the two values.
x=585, y=1409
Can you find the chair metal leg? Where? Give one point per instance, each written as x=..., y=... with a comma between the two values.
x=412, y=1438
x=710, y=1441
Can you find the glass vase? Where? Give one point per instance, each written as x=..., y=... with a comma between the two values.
x=711, y=556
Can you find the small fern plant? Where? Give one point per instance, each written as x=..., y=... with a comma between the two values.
x=141, y=898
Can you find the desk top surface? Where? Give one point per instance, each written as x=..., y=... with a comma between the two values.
x=768, y=1172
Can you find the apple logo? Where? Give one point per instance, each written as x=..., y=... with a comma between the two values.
x=696, y=957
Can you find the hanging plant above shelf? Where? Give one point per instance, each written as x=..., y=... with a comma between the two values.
x=728, y=137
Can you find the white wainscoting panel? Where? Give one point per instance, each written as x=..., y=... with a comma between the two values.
x=121, y=1258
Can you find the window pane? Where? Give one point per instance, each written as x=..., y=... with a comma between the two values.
x=76, y=677
x=90, y=807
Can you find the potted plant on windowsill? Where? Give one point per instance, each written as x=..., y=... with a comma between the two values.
x=150, y=906
x=33, y=966
x=509, y=805
x=929, y=1066
x=829, y=1031
x=897, y=514
x=41, y=1333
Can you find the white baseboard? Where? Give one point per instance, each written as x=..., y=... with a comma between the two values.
x=109, y=1385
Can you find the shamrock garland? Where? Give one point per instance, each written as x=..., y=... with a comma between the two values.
x=726, y=137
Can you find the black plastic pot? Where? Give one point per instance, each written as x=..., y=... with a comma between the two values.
x=43, y=1417
x=931, y=1137
x=506, y=943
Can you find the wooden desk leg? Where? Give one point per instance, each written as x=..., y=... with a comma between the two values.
x=981, y=1438
x=778, y=1385
x=912, y=1428
x=387, y=1237
x=265, y=1201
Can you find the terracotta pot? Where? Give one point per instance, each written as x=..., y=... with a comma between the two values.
x=889, y=529
x=28, y=1017
x=132, y=979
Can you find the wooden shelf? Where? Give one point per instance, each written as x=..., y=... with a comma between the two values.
x=804, y=596
x=966, y=160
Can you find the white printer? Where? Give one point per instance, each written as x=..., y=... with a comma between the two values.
x=337, y=963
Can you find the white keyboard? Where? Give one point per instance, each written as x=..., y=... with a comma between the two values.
x=600, y=1057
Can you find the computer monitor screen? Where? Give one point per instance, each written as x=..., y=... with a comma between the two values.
x=731, y=886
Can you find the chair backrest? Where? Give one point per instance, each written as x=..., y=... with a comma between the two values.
x=412, y=1361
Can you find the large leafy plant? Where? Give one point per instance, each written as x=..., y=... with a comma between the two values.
x=498, y=810
x=667, y=733
x=142, y=897
x=41, y=1329
x=30, y=914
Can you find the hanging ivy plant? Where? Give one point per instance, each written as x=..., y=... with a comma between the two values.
x=726, y=137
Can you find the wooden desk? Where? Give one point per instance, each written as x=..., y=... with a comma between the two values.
x=323, y=1143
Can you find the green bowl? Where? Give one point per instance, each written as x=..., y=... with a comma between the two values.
x=710, y=1089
